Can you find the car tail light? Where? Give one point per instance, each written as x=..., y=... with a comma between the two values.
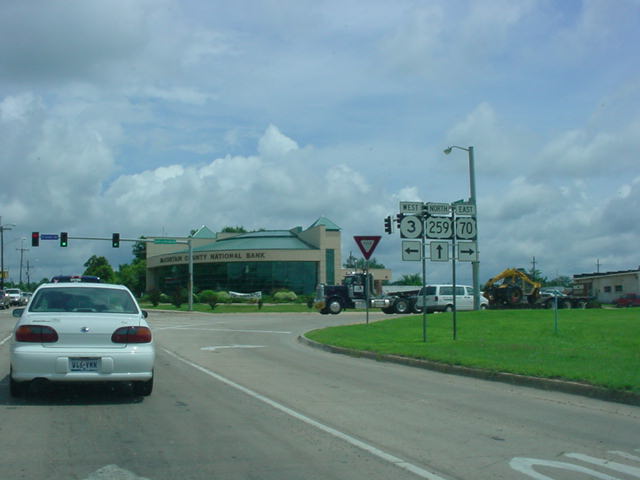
x=36, y=334
x=131, y=335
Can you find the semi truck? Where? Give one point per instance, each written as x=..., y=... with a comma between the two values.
x=352, y=293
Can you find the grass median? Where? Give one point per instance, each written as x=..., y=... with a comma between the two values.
x=596, y=346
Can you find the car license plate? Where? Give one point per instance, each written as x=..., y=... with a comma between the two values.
x=83, y=364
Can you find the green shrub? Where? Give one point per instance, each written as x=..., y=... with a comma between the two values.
x=285, y=296
x=224, y=297
x=179, y=297
x=164, y=298
x=209, y=297
x=154, y=297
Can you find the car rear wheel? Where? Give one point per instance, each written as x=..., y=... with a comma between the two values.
x=17, y=389
x=144, y=388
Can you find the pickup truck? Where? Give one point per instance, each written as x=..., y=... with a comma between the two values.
x=14, y=295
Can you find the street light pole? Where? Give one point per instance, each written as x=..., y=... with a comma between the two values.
x=475, y=264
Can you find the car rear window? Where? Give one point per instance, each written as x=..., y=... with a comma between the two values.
x=101, y=300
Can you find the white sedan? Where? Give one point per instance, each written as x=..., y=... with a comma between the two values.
x=82, y=332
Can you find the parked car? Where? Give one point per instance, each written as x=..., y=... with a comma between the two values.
x=5, y=301
x=440, y=298
x=82, y=332
x=628, y=300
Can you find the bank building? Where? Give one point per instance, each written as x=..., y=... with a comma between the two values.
x=296, y=259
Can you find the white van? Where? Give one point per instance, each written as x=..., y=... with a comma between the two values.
x=440, y=298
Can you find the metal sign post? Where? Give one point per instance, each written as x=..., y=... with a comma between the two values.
x=367, y=245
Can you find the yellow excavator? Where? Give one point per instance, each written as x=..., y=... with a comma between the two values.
x=512, y=287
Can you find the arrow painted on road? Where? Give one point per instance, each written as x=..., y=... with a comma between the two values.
x=110, y=472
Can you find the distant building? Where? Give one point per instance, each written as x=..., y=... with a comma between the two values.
x=296, y=259
x=608, y=286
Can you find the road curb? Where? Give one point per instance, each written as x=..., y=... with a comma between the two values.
x=557, y=385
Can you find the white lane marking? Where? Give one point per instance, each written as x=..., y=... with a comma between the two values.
x=617, y=467
x=626, y=455
x=172, y=327
x=111, y=472
x=218, y=347
x=225, y=330
x=387, y=457
x=5, y=340
x=525, y=465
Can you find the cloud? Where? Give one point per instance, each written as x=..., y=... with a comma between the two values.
x=273, y=143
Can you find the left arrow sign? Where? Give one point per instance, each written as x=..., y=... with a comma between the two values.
x=411, y=250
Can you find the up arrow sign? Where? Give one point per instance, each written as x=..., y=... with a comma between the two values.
x=367, y=244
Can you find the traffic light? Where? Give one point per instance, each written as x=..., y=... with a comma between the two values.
x=399, y=218
x=35, y=239
x=115, y=240
x=64, y=239
x=387, y=224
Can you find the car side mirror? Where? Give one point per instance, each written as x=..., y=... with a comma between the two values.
x=145, y=314
x=17, y=312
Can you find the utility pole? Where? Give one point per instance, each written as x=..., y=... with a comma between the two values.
x=22, y=250
x=8, y=226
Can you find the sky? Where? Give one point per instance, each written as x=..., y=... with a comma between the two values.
x=155, y=117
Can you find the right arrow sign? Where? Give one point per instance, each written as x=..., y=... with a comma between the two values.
x=467, y=251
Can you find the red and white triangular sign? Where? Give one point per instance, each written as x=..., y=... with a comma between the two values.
x=367, y=244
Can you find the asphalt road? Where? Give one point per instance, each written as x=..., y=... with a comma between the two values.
x=238, y=397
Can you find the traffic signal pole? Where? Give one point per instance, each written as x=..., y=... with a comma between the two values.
x=115, y=243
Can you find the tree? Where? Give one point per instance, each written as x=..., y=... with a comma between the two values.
x=412, y=279
x=562, y=281
x=134, y=276
x=234, y=230
x=139, y=249
x=99, y=266
x=536, y=275
x=359, y=263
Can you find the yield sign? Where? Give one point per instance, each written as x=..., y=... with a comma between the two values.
x=367, y=244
